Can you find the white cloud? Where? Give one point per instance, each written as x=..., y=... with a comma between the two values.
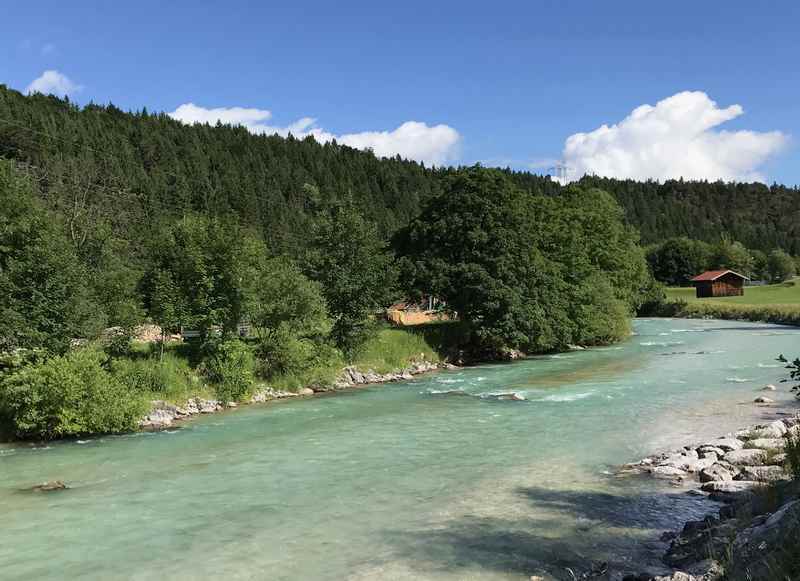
x=436, y=145
x=53, y=82
x=675, y=138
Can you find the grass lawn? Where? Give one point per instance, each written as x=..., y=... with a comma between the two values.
x=787, y=293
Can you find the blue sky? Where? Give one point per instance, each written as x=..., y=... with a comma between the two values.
x=506, y=83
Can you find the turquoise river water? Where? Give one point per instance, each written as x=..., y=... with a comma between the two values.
x=401, y=481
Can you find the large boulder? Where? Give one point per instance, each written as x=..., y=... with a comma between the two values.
x=725, y=444
x=715, y=473
x=762, y=473
x=730, y=486
x=757, y=549
x=748, y=457
x=669, y=472
x=768, y=443
x=705, y=450
x=774, y=430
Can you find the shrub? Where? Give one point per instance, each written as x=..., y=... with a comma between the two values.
x=168, y=377
x=300, y=361
x=230, y=367
x=69, y=395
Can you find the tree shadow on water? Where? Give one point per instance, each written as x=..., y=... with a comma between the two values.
x=563, y=530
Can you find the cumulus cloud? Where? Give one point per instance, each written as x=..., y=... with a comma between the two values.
x=435, y=145
x=675, y=138
x=53, y=83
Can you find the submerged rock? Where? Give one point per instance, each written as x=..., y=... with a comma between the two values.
x=50, y=486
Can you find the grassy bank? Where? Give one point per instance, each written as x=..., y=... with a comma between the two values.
x=778, y=303
x=783, y=294
x=389, y=349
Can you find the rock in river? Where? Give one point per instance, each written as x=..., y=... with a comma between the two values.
x=50, y=486
x=762, y=473
x=667, y=472
x=725, y=444
x=768, y=443
x=730, y=486
x=746, y=457
x=715, y=473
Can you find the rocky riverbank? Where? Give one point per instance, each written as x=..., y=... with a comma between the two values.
x=164, y=414
x=760, y=516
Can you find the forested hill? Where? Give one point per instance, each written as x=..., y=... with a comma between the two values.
x=98, y=164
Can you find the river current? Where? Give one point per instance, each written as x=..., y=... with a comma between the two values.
x=426, y=479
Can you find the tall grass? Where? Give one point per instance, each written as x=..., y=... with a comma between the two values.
x=170, y=379
x=778, y=314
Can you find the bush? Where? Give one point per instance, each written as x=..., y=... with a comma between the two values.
x=230, y=367
x=68, y=395
x=295, y=361
x=169, y=377
x=778, y=314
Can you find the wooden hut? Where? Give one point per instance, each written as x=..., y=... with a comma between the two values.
x=719, y=283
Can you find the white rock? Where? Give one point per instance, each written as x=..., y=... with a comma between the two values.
x=768, y=443
x=729, y=486
x=726, y=444
x=667, y=472
x=746, y=457
x=763, y=473
x=762, y=399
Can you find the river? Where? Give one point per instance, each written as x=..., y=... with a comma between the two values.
x=401, y=481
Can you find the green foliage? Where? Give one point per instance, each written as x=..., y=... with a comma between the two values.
x=779, y=314
x=676, y=260
x=231, y=369
x=394, y=348
x=283, y=299
x=780, y=266
x=169, y=377
x=355, y=271
x=68, y=395
x=732, y=255
x=201, y=269
x=44, y=299
x=526, y=272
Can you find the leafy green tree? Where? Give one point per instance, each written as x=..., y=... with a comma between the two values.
x=733, y=256
x=780, y=266
x=68, y=395
x=759, y=264
x=231, y=369
x=525, y=272
x=289, y=316
x=200, y=275
x=44, y=298
x=676, y=260
x=354, y=268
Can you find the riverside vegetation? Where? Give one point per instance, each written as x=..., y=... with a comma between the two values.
x=110, y=219
x=525, y=273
